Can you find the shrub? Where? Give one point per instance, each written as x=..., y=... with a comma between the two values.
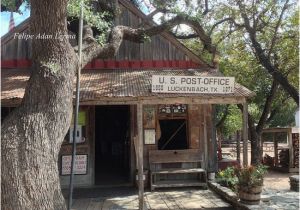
x=250, y=176
x=227, y=178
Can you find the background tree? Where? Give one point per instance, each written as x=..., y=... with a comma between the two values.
x=272, y=98
x=240, y=32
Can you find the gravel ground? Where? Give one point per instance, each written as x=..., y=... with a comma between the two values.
x=277, y=180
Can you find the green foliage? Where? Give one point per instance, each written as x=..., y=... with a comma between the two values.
x=100, y=20
x=233, y=120
x=284, y=114
x=250, y=176
x=227, y=178
x=12, y=5
x=238, y=60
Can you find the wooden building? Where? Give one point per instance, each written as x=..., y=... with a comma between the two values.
x=283, y=144
x=124, y=126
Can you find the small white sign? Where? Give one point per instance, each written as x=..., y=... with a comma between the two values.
x=149, y=135
x=192, y=84
x=137, y=177
x=80, y=164
x=79, y=138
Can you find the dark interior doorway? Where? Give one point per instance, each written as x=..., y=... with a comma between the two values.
x=173, y=134
x=112, y=145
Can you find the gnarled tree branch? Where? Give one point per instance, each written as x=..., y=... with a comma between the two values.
x=120, y=33
x=285, y=6
x=188, y=36
x=263, y=58
x=267, y=107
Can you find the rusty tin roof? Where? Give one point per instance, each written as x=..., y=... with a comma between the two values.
x=97, y=85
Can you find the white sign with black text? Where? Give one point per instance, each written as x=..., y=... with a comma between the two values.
x=80, y=164
x=192, y=84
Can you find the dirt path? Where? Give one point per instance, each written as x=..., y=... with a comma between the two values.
x=277, y=180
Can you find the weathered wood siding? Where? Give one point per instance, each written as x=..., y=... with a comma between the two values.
x=158, y=48
x=195, y=132
x=87, y=147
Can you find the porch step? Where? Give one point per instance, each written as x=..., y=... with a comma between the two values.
x=178, y=171
x=178, y=183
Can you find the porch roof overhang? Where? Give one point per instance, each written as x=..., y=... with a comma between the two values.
x=124, y=87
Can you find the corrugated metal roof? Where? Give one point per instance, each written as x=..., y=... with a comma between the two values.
x=97, y=85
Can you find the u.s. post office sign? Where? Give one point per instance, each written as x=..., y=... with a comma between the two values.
x=192, y=84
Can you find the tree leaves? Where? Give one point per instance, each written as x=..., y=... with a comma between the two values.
x=97, y=19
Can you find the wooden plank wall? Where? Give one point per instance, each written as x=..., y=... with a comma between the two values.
x=159, y=48
x=82, y=148
x=15, y=48
x=195, y=132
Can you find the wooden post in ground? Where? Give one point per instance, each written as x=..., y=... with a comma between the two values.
x=245, y=134
x=205, y=136
x=291, y=148
x=238, y=146
x=140, y=160
x=214, y=141
x=275, y=149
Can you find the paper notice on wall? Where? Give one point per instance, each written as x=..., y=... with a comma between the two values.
x=80, y=164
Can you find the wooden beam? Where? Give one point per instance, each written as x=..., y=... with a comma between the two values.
x=214, y=140
x=238, y=146
x=193, y=100
x=165, y=100
x=140, y=155
x=276, y=130
x=133, y=146
x=291, y=148
x=149, y=100
x=205, y=136
x=245, y=134
x=275, y=149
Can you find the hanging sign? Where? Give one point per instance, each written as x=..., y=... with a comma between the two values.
x=79, y=138
x=80, y=164
x=192, y=84
x=81, y=118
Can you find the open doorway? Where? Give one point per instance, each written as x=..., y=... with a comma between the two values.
x=112, y=145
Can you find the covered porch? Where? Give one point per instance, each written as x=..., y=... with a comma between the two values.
x=161, y=199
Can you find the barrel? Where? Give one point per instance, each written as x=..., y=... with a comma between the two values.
x=250, y=195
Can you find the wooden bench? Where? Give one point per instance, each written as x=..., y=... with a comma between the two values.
x=176, y=163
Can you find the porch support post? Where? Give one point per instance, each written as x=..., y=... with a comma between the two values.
x=214, y=167
x=245, y=134
x=205, y=137
x=140, y=160
x=238, y=146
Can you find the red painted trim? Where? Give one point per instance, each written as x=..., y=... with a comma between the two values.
x=98, y=64
x=135, y=64
x=124, y=64
x=112, y=64
x=21, y=63
x=147, y=64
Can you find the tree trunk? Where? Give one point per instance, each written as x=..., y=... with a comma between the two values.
x=255, y=147
x=33, y=133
